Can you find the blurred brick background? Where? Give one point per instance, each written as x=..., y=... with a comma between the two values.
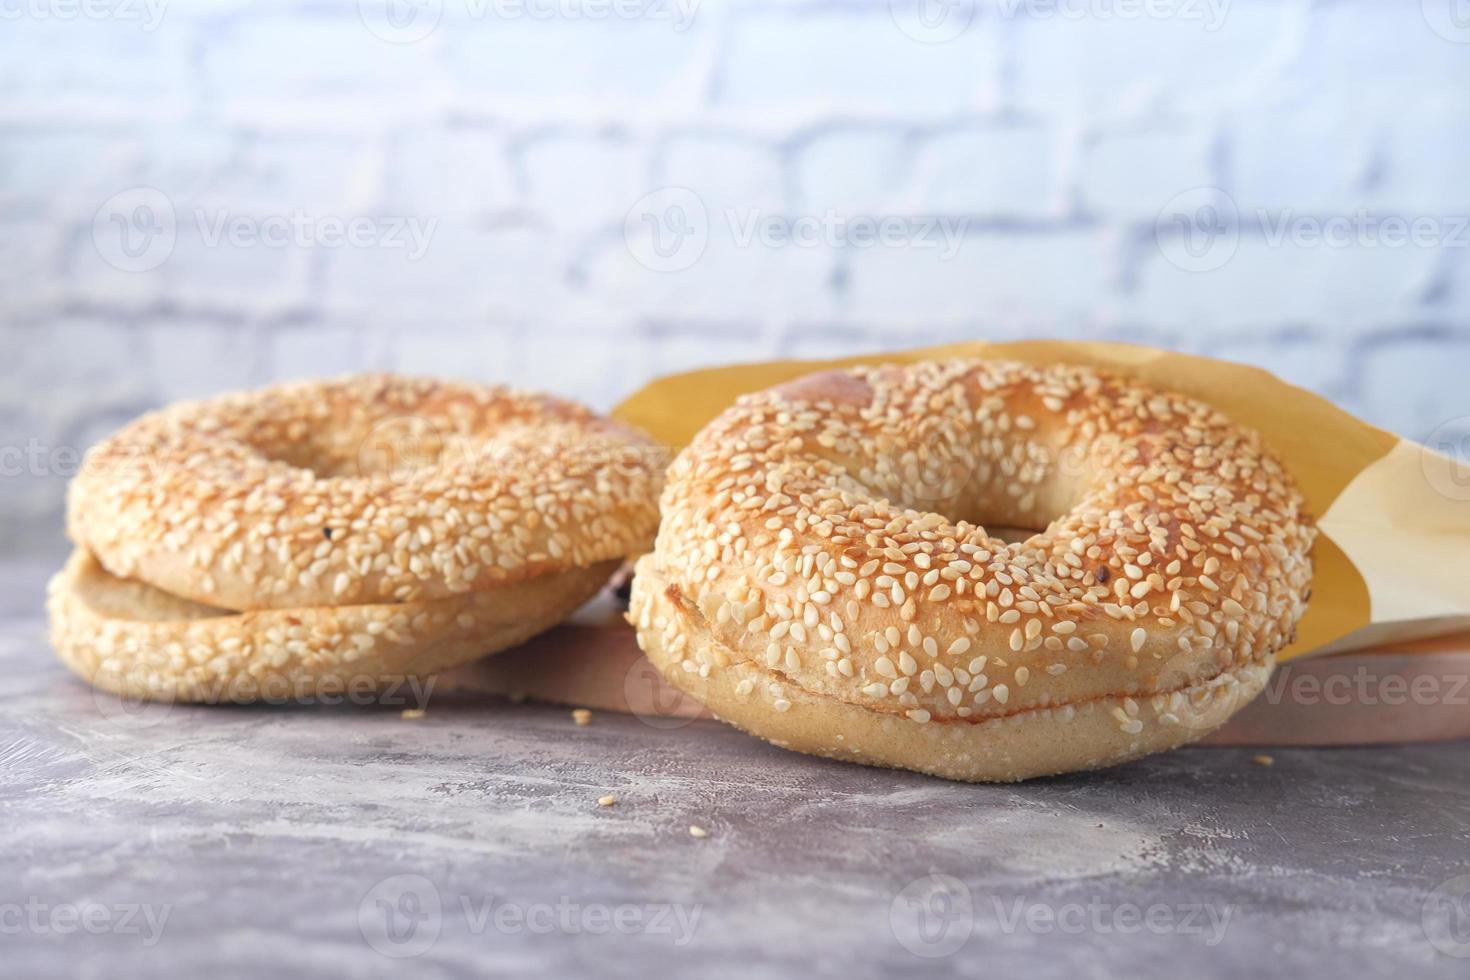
x=605, y=190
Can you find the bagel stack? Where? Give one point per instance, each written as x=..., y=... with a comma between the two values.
x=323, y=537
x=824, y=578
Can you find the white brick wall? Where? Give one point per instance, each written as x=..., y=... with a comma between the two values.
x=1066, y=141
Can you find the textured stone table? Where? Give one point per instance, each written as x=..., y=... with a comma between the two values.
x=347, y=841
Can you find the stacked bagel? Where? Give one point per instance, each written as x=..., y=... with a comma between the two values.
x=826, y=576
x=322, y=537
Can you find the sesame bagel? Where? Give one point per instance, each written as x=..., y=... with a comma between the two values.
x=363, y=490
x=823, y=576
x=132, y=639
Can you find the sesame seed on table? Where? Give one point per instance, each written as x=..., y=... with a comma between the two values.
x=1325, y=859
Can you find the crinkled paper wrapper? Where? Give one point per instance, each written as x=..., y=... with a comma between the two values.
x=1390, y=599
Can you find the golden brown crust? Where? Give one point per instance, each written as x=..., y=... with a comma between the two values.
x=133, y=639
x=365, y=489
x=804, y=539
x=1019, y=744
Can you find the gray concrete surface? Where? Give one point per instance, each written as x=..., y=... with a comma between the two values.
x=331, y=841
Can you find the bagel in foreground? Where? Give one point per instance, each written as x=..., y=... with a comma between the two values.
x=137, y=641
x=823, y=577
x=361, y=490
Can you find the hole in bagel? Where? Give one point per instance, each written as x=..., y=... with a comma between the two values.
x=401, y=447
x=993, y=458
x=394, y=446
x=1011, y=535
x=1013, y=484
x=402, y=432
